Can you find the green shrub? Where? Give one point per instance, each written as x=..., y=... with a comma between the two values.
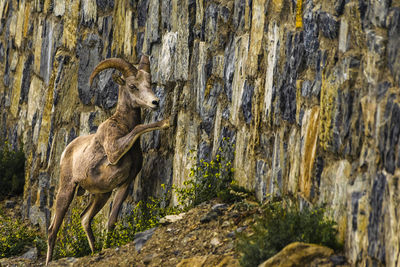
x=12, y=171
x=282, y=224
x=211, y=179
x=145, y=215
x=16, y=236
x=71, y=238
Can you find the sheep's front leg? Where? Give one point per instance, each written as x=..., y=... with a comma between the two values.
x=119, y=198
x=116, y=148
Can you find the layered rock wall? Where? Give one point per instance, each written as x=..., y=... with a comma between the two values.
x=308, y=91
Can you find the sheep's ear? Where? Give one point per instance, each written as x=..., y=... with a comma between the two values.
x=118, y=79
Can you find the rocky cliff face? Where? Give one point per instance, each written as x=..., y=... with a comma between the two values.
x=308, y=91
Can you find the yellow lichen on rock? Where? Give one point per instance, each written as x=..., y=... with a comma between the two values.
x=27, y=19
x=119, y=33
x=20, y=24
x=71, y=18
x=327, y=103
x=16, y=89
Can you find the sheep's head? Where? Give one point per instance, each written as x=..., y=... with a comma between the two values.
x=135, y=83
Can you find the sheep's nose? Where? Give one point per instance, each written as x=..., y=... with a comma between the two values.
x=156, y=103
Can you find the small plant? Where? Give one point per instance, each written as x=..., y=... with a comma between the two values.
x=72, y=240
x=12, y=167
x=281, y=224
x=145, y=215
x=16, y=236
x=211, y=179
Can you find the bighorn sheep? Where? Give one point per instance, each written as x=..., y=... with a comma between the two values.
x=111, y=158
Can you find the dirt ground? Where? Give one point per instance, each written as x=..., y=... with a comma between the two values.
x=206, y=233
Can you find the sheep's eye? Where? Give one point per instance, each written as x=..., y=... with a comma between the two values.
x=132, y=86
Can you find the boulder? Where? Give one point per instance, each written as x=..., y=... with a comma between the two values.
x=300, y=254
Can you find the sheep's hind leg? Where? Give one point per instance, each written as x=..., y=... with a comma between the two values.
x=97, y=202
x=63, y=200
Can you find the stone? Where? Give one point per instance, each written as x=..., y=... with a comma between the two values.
x=2, y=53
x=210, y=216
x=89, y=51
x=334, y=179
x=197, y=261
x=377, y=12
x=50, y=38
x=215, y=242
x=287, y=85
x=210, y=24
x=306, y=88
x=180, y=24
x=376, y=235
x=171, y=218
x=209, y=107
x=199, y=61
x=59, y=8
x=343, y=36
x=256, y=36
x=217, y=66
x=393, y=50
x=141, y=238
x=309, y=135
x=219, y=208
x=26, y=79
x=238, y=83
x=339, y=7
x=104, y=4
x=105, y=90
x=166, y=9
x=148, y=258
x=167, y=57
x=272, y=48
x=88, y=12
x=229, y=67
x=209, y=260
x=142, y=9
x=328, y=25
x=389, y=136
x=39, y=217
x=247, y=101
x=31, y=254
x=9, y=204
x=152, y=26
x=298, y=254
x=261, y=179
x=239, y=14
x=311, y=31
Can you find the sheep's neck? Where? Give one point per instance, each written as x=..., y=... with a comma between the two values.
x=125, y=114
x=129, y=118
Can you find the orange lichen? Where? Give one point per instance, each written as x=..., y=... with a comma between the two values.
x=299, y=14
x=309, y=152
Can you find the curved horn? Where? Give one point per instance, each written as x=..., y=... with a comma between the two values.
x=120, y=64
x=144, y=64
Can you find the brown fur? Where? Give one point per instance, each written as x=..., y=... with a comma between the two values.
x=109, y=159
